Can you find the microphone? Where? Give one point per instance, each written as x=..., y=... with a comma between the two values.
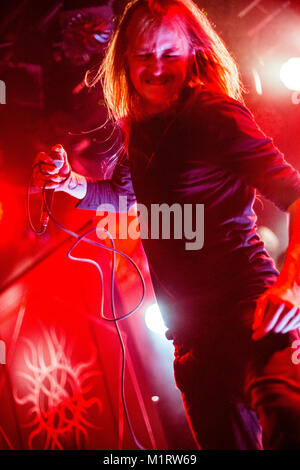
x=44, y=219
x=48, y=198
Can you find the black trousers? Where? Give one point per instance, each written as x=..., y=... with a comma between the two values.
x=239, y=393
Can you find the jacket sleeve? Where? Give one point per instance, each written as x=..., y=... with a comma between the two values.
x=242, y=147
x=108, y=192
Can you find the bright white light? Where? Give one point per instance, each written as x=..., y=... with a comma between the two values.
x=257, y=82
x=155, y=399
x=154, y=320
x=290, y=74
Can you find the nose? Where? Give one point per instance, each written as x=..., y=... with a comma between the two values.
x=156, y=67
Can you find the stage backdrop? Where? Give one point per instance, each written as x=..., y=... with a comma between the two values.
x=60, y=372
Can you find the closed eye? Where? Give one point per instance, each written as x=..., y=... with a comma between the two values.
x=167, y=55
x=171, y=56
x=143, y=56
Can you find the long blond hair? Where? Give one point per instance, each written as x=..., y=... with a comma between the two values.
x=213, y=65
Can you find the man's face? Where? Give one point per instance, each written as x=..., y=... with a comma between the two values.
x=158, y=67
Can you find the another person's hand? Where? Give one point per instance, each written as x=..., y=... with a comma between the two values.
x=278, y=310
x=51, y=169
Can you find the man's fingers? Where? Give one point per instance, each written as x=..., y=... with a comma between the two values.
x=43, y=157
x=51, y=168
x=51, y=181
x=57, y=157
x=287, y=316
x=45, y=184
x=296, y=326
x=48, y=169
x=59, y=154
x=271, y=315
x=58, y=148
x=265, y=314
x=293, y=323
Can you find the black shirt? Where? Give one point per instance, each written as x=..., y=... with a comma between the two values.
x=207, y=150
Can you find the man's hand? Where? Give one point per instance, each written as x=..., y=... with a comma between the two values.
x=278, y=310
x=52, y=169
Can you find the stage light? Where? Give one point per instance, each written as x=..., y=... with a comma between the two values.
x=155, y=399
x=290, y=74
x=154, y=320
x=257, y=81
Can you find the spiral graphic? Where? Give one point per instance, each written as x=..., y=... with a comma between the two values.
x=56, y=396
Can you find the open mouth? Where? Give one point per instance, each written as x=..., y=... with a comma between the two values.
x=157, y=82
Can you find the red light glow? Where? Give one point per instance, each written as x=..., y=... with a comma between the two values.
x=56, y=392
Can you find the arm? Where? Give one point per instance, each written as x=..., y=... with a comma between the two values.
x=75, y=186
x=108, y=192
x=245, y=150
x=52, y=170
x=92, y=193
x=278, y=309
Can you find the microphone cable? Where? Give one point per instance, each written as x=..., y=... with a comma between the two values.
x=115, y=319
